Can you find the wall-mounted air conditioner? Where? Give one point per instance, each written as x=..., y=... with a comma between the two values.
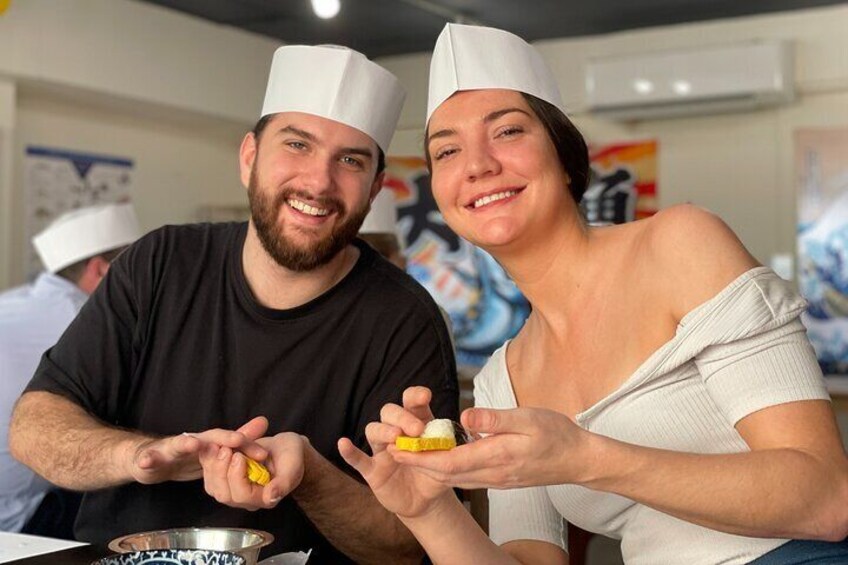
x=681, y=83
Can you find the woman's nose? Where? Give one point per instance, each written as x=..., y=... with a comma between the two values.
x=480, y=162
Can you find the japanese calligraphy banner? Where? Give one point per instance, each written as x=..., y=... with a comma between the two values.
x=484, y=305
x=623, y=185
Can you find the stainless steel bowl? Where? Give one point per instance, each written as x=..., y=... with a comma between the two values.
x=246, y=543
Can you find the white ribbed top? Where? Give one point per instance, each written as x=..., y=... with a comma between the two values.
x=743, y=350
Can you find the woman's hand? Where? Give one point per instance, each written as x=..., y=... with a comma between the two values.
x=524, y=447
x=399, y=488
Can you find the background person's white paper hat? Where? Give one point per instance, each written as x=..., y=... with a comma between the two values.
x=336, y=83
x=474, y=57
x=86, y=232
x=383, y=215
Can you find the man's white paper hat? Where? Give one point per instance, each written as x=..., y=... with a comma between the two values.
x=383, y=215
x=86, y=232
x=336, y=83
x=473, y=58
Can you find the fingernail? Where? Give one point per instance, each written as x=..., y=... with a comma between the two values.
x=275, y=495
x=222, y=454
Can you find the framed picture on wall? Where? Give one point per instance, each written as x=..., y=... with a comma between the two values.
x=58, y=180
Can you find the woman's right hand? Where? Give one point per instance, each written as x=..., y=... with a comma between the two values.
x=401, y=489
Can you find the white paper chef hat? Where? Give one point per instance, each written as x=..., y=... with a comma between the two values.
x=86, y=232
x=336, y=83
x=383, y=215
x=474, y=57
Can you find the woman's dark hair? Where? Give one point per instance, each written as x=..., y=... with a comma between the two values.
x=567, y=139
x=570, y=145
x=263, y=121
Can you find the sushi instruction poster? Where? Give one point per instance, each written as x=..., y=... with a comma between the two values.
x=57, y=181
x=821, y=164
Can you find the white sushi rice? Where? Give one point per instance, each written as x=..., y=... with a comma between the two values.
x=438, y=428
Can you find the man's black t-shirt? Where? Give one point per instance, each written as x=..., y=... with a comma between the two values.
x=173, y=341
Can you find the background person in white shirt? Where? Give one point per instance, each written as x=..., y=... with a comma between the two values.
x=76, y=251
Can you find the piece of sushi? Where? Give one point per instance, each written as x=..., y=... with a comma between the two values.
x=257, y=472
x=438, y=435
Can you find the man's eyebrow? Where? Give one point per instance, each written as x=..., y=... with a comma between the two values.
x=299, y=132
x=447, y=132
x=364, y=151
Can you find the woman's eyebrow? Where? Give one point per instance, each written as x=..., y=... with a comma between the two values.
x=498, y=113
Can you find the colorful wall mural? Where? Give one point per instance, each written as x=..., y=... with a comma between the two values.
x=484, y=305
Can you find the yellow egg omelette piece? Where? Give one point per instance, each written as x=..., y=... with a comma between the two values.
x=406, y=443
x=257, y=472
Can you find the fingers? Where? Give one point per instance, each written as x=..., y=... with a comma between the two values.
x=243, y=491
x=489, y=421
x=215, y=462
x=255, y=428
x=406, y=421
x=225, y=479
x=380, y=435
x=355, y=457
x=416, y=399
x=237, y=440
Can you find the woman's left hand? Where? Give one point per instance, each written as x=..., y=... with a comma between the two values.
x=524, y=447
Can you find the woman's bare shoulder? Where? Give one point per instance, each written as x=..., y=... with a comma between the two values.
x=695, y=253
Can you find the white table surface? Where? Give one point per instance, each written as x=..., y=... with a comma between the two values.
x=19, y=546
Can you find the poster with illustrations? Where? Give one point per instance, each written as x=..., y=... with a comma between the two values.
x=56, y=181
x=821, y=163
x=484, y=305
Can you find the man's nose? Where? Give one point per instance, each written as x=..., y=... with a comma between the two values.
x=316, y=176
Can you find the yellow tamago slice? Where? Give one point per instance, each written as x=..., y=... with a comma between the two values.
x=406, y=443
x=257, y=472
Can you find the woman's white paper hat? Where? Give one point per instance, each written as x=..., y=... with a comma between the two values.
x=86, y=232
x=383, y=215
x=336, y=83
x=474, y=57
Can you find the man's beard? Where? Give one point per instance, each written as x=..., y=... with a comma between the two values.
x=265, y=211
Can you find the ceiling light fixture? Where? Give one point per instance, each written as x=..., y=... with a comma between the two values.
x=682, y=87
x=325, y=9
x=643, y=86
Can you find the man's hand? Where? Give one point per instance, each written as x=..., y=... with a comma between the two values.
x=224, y=471
x=177, y=458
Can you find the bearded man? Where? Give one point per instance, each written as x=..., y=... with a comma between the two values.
x=270, y=340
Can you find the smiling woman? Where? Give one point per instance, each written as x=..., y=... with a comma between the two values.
x=662, y=391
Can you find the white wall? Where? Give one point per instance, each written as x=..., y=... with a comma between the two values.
x=173, y=93
x=738, y=165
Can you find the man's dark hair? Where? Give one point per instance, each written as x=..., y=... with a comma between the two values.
x=263, y=121
x=74, y=271
x=569, y=143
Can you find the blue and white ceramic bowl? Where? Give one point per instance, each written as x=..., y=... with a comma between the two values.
x=173, y=557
